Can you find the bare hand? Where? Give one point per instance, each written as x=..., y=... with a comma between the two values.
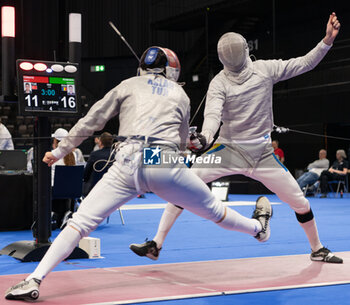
x=332, y=29
x=49, y=158
x=331, y=170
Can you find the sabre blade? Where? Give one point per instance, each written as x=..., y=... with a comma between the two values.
x=199, y=107
x=122, y=38
x=115, y=29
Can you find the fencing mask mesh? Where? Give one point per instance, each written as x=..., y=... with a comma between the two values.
x=233, y=51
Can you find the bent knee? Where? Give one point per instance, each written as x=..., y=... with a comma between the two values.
x=210, y=208
x=84, y=224
x=300, y=205
x=216, y=210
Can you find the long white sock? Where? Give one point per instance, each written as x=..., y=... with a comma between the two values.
x=311, y=232
x=236, y=222
x=62, y=246
x=170, y=214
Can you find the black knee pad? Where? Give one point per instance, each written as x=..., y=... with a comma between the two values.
x=302, y=218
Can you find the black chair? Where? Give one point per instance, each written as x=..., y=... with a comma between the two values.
x=68, y=182
x=342, y=185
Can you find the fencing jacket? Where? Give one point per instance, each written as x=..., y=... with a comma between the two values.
x=246, y=109
x=148, y=105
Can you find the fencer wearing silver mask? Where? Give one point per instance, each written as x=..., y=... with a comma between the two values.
x=233, y=53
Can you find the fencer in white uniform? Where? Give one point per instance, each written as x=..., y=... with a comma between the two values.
x=240, y=97
x=153, y=112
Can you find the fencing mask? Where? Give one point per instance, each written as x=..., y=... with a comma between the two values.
x=233, y=53
x=157, y=60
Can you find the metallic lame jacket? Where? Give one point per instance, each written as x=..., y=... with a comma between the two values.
x=246, y=109
x=148, y=105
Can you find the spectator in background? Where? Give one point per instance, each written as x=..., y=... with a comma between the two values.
x=5, y=138
x=97, y=143
x=337, y=171
x=68, y=160
x=79, y=157
x=278, y=151
x=91, y=177
x=314, y=170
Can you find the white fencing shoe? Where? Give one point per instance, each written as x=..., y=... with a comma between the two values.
x=325, y=255
x=263, y=213
x=25, y=290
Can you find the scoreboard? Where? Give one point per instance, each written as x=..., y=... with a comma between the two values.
x=42, y=93
x=48, y=88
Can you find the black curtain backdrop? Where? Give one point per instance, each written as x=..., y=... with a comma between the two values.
x=314, y=102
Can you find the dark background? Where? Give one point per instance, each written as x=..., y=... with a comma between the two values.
x=316, y=102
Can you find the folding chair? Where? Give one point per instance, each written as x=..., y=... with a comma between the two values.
x=341, y=184
x=121, y=217
x=315, y=188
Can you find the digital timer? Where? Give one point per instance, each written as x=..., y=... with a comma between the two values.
x=47, y=88
x=48, y=92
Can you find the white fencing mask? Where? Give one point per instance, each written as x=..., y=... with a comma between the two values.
x=233, y=53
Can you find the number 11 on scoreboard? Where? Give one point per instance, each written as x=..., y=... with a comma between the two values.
x=29, y=100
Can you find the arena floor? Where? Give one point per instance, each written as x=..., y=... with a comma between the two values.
x=200, y=263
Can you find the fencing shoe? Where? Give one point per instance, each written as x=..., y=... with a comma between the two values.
x=148, y=248
x=263, y=213
x=325, y=255
x=25, y=290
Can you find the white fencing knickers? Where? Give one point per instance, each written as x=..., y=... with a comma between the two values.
x=175, y=183
x=257, y=161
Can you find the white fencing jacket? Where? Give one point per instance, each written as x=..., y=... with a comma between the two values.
x=246, y=109
x=148, y=105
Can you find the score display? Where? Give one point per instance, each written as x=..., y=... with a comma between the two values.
x=51, y=91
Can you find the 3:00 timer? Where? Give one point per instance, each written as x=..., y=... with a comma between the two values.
x=50, y=92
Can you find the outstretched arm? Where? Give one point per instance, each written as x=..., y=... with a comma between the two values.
x=280, y=70
x=94, y=120
x=332, y=29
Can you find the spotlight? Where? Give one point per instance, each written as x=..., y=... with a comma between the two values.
x=8, y=21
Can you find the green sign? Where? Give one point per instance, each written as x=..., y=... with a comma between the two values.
x=98, y=68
